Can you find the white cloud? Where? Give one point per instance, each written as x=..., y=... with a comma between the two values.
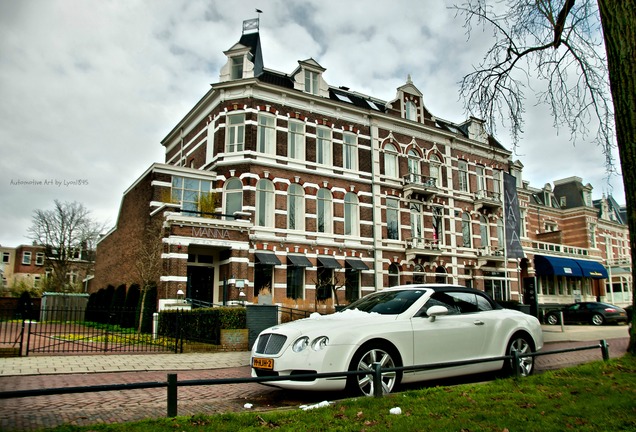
x=89, y=88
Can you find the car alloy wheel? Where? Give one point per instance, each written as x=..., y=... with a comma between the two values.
x=552, y=319
x=520, y=344
x=363, y=361
x=597, y=319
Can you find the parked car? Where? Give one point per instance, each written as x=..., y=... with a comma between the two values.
x=399, y=326
x=596, y=313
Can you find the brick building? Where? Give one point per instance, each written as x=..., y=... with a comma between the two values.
x=284, y=182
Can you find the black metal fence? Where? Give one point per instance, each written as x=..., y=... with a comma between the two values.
x=95, y=331
x=172, y=384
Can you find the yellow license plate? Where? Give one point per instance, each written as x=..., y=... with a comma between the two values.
x=263, y=363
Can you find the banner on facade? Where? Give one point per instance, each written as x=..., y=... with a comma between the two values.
x=513, y=218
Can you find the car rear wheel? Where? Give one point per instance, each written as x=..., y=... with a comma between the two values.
x=597, y=319
x=552, y=319
x=363, y=360
x=522, y=345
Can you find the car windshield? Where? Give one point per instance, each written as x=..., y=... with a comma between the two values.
x=387, y=303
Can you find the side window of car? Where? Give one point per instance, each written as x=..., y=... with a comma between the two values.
x=440, y=299
x=483, y=304
x=466, y=302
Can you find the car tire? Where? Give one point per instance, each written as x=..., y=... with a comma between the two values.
x=523, y=345
x=552, y=319
x=363, y=360
x=597, y=319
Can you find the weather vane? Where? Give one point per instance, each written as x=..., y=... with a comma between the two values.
x=252, y=24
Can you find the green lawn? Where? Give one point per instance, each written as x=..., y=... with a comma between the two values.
x=599, y=396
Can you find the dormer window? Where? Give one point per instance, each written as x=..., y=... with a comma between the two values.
x=311, y=82
x=411, y=111
x=237, y=67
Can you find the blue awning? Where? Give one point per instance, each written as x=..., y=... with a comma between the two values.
x=561, y=266
x=557, y=266
x=592, y=269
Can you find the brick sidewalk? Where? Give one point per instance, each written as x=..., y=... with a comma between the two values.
x=31, y=413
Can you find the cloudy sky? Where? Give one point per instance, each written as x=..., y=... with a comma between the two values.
x=88, y=88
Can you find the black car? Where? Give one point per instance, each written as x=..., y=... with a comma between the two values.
x=596, y=313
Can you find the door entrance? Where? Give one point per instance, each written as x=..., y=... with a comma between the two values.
x=200, y=283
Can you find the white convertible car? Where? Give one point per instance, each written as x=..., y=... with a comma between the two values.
x=399, y=326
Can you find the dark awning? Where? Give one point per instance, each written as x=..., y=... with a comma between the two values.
x=356, y=264
x=592, y=269
x=557, y=266
x=299, y=260
x=328, y=262
x=267, y=258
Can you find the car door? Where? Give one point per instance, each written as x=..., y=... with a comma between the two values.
x=458, y=336
x=574, y=313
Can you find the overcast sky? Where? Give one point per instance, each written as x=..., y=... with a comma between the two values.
x=88, y=88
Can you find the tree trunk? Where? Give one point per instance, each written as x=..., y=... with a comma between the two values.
x=619, y=27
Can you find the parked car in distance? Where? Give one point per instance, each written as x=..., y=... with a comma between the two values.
x=595, y=313
x=408, y=325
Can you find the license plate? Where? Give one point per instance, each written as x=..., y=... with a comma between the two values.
x=263, y=363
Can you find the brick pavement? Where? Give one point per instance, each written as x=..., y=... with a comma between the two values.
x=31, y=413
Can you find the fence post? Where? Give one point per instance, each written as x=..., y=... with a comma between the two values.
x=377, y=380
x=515, y=363
x=172, y=395
x=605, y=350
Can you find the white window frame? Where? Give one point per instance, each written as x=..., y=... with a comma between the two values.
x=435, y=169
x=391, y=160
x=415, y=169
x=323, y=146
x=234, y=133
x=410, y=110
x=484, y=231
x=349, y=151
x=236, y=67
x=265, y=195
x=312, y=82
x=296, y=140
x=296, y=207
x=324, y=211
x=480, y=171
x=351, y=214
x=467, y=231
x=26, y=258
x=266, y=134
x=39, y=258
x=462, y=173
x=232, y=194
x=392, y=218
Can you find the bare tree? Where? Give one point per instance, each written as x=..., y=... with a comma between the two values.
x=148, y=262
x=69, y=235
x=584, y=53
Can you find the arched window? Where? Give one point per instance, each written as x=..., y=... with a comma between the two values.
x=265, y=203
x=390, y=160
x=295, y=207
x=324, y=211
x=394, y=275
x=414, y=166
x=233, y=197
x=435, y=170
x=466, y=230
x=351, y=215
x=483, y=230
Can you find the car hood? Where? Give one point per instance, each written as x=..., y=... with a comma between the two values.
x=317, y=323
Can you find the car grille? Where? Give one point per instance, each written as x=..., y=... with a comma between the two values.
x=270, y=343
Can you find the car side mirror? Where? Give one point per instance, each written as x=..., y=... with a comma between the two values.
x=435, y=311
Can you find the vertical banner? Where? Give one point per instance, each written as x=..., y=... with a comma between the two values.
x=513, y=217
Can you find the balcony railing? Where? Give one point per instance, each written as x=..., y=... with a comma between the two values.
x=420, y=184
x=418, y=246
x=487, y=199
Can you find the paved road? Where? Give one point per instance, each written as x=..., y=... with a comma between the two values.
x=31, y=413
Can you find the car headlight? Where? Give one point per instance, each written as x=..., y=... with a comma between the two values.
x=320, y=343
x=300, y=344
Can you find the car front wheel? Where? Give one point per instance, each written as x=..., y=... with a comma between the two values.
x=522, y=345
x=597, y=319
x=363, y=361
x=552, y=319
